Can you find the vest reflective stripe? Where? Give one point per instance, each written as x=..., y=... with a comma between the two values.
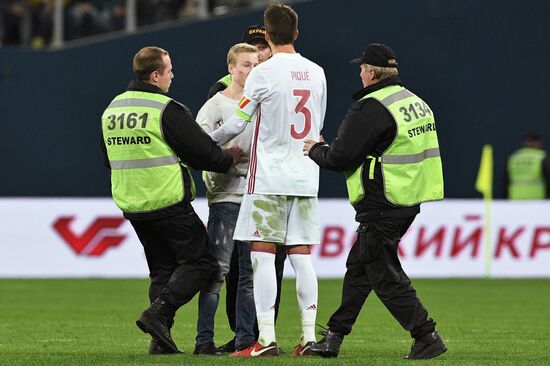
x=136, y=102
x=146, y=174
x=144, y=163
x=411, y=159
x=411, y=165
x=402, y=94
x=526, y=179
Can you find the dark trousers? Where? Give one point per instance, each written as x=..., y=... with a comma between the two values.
x=232, y=279
x=176, y=249
x=373, y=264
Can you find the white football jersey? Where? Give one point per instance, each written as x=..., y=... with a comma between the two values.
x=289, y=94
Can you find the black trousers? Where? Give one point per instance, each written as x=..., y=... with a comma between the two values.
x=232, y=281
x=176, y=249
x=373, y=264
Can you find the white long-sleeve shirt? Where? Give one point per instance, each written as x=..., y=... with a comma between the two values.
x=227, y=187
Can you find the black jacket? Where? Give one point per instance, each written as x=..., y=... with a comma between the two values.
x=367, y=129
x=190, y=143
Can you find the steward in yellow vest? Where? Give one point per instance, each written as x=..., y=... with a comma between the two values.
x=528, y=171
x=387, y=145
x=148, y=141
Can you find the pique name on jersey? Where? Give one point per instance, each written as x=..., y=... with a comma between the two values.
x=300, y=75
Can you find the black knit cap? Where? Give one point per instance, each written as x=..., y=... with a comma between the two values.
x=377, y=54
x=253, y=34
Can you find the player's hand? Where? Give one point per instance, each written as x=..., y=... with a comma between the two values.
x=237, y=154
x=307, y=146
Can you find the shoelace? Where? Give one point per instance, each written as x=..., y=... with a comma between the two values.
x=324, y=330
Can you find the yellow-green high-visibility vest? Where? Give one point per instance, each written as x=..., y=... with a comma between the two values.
x=411, y=165
x=226, y=80
x=525, y=174
x=146, y=174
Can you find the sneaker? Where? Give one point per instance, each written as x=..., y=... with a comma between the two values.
x=207, y=349
x=229, y=347
x=257, y=350
x=304, y=350
x=329, y=345
x=155, y=348
x=156, y=321
x=429, y=346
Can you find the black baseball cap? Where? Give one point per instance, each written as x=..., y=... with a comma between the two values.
x=377, y=54
x=254, y=33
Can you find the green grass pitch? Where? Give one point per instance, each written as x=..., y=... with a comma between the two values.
x=91, y=322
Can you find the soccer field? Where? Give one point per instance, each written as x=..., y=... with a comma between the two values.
x=91, y=322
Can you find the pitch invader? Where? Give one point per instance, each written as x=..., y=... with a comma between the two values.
x=288, y=95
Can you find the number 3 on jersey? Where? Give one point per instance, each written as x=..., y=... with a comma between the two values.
x=304, y=95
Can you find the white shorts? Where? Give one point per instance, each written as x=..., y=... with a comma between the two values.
x=283, y=220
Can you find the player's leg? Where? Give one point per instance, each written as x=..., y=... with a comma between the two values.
x=262, y=221
x=303, y=230
x=262, y=256
x=306, y=293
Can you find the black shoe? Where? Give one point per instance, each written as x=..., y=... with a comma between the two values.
x=156, y=321
x=329, y=345
x=207, y=349
x=155, y=348
x=229, y=347
x=429, y=346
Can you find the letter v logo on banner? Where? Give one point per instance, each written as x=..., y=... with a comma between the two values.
x=95, y=240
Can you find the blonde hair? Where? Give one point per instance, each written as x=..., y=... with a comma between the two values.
x=383, y=72
x=238, y=49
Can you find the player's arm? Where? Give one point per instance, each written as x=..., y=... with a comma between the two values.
x=236, y=123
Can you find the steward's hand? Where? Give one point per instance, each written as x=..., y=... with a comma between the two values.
x=237, y=154
x=308, y=144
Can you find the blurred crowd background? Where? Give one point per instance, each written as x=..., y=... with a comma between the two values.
x=30, y=23
x=457, y=54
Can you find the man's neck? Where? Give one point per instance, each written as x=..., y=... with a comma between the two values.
x=233, y=91
x=283, y=48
